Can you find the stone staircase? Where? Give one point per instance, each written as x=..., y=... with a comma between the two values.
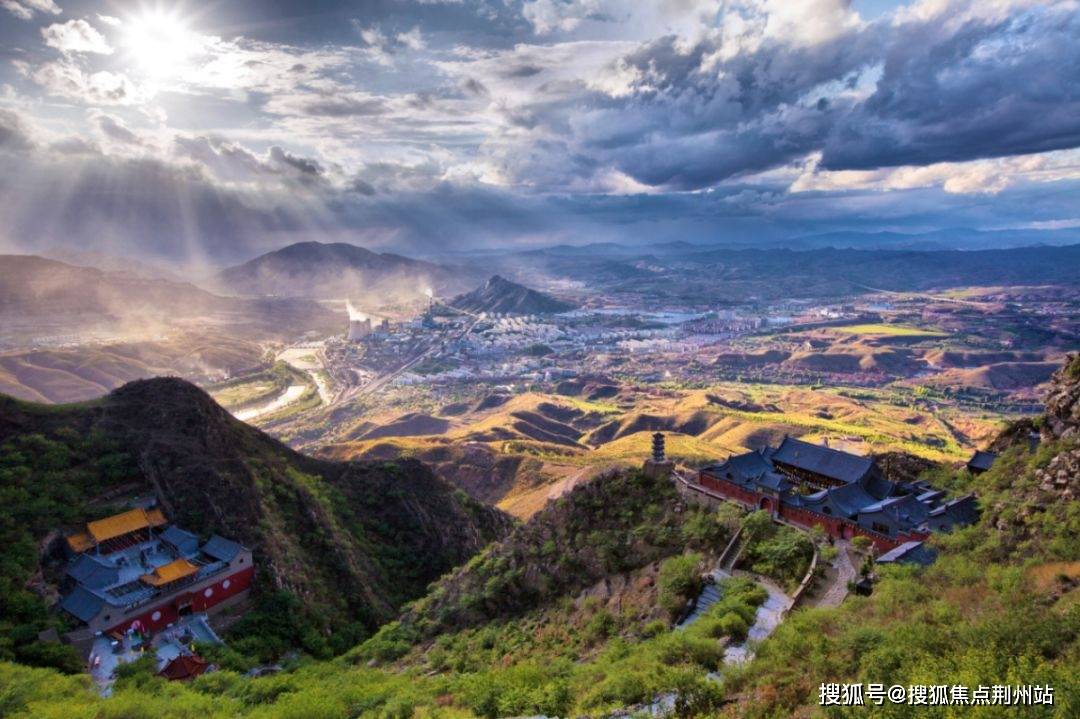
x=709, y=596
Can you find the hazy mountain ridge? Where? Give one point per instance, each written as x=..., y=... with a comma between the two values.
x=38, y=286
x=675, y=273
x=336, y=270
x=33, y=286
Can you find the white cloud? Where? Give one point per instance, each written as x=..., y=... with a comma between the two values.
x=976, y=177
x=547, y=16
x=76, y=36
x=806, y=22
x=954, y=13
x=19, y=11
x=413, y=39
x=25, y=9
x=66, y=80
x=1066, y=224
x=381, y=48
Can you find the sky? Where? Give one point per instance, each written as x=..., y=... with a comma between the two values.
x=207, y=132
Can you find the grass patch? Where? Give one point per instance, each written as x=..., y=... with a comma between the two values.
x=887, y=330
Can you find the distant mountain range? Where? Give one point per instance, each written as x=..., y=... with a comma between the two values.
x=36, y=287
x=336, y=270
x=111, y=263
x=948, y=239
x=506, y=297
x=680, y=272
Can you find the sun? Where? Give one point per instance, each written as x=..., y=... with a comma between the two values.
x=160, y=43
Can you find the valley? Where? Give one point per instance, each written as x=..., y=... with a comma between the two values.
x=540, y=359
x=518, y=406
x=441, y=488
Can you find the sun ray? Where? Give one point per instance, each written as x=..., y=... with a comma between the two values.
x=160, y=42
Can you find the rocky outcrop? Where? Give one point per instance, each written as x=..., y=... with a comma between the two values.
x=1060, y=480
x=502, y=296
x=1029, y=498
x=1063, y=402
x=901, y=466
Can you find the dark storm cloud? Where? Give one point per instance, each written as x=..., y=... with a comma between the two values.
x=523, y=71
x=474, y=87
x=943, y=92
x=361, y=187
x=985, y=91
x=226, y=160
x=232, y=162
x=178, y=210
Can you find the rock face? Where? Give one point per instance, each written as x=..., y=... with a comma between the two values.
x=1063, y=401
x=902, y=467
x=1061, y=478
x=353, y=540
x=1028, y=499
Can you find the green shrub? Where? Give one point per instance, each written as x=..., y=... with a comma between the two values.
x=678, y=581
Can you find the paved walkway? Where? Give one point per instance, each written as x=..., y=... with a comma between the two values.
x=837, y=577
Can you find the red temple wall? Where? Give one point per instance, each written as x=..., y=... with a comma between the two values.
x=836, y=527
x=167, y=611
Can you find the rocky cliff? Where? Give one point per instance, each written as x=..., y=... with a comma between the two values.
x=1030, y=493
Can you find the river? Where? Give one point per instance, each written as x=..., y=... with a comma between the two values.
x=286, y=398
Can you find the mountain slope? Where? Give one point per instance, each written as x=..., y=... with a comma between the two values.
x=37, y=293
x=352, y=541
x=524, y=630
x=506, y=297
x=76, y=374
x=335, y=270
x=32, y=285
x=614, y=524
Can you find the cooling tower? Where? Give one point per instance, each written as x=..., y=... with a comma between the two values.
x=359, y=329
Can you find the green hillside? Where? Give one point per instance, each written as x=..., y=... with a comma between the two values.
x=571, y=615
x=339, y=546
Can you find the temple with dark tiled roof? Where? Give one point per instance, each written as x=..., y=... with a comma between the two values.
x=134, y=570
x=846, y=495
x=981, y=462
